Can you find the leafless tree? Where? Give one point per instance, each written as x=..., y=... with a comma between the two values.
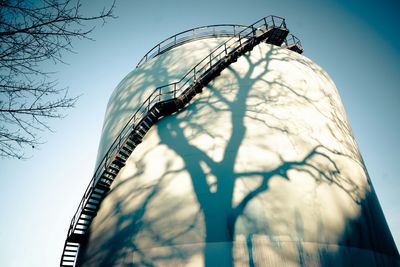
x=31, y=33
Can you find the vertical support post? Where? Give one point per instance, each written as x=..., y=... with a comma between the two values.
x=174, y=90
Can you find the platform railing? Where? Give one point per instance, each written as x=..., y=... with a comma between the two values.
x=174, y=90
x=218, y=30
x=292, y=40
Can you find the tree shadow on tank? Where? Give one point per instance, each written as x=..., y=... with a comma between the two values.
x=325, y=163
x=274, y=178
x=116, y=238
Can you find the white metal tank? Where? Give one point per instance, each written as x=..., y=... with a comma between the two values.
x=259, y=169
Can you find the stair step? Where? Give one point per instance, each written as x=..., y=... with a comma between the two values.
x=151, y=118
x=94, y=201
x=139, y=131
x=70, y=254
x=120, y=158
x=129, y=144
x=127, y=148
x=118, y=163
x=81, y=227
x=146, y=125
x=102, y=189
x=114, y=167
x=68, y=260
x=87, y=222
x=110, y=173
x=154, y=115
x=134, y=138
x=156, y=108
x=71, y=250
x=83, y=222
x=93, y=211
x=123, y=153
x=86, y=217
x=107, y=177
x=91, y=206
x=89, y=212
x=76, y=238
x=104, y=182
x=94, y=195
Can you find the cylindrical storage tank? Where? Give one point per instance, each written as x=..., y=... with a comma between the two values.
x=260, y=169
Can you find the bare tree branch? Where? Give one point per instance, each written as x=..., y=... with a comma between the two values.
x=33, y=32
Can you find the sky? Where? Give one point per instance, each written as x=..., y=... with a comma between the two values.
x=359, y=46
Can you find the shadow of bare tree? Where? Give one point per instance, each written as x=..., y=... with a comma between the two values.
x=260, y=169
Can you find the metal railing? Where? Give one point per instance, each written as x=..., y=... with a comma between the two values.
x=292, y=40
x=218, y=30
x=171, y=91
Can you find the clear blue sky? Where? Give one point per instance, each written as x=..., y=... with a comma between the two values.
x=357, y=45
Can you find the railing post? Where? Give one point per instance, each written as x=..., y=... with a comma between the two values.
x=210, y=60
x=194, y=74
x=174, y=90
x=273, y=21
x=253, y=30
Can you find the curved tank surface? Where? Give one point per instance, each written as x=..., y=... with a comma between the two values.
x=260, y=169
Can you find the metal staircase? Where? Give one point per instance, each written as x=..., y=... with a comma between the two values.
x=164, y=101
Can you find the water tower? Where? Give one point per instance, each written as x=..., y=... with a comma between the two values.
x=226, y=147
